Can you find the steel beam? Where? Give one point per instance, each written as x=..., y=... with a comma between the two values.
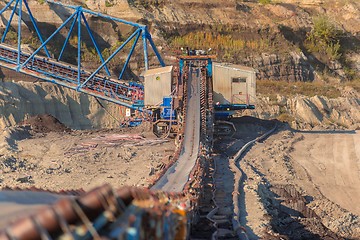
x=36, y=27
x=129, y=56
x=47, y=40
x=155, y=49
x=6, y=6
x=144, y=38
x=58, y=73
x=8, y=25
x=95, y=43
x=97, y=14
x=68, y=37
x=79, y=43
x=111, y=57
x=19, y=31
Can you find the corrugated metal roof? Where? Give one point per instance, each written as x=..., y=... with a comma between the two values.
x=235, y=66
x=156, y=71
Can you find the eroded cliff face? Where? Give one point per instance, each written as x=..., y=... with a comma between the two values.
x=20, y=100
x=288, y=67
x=317, y=112
x=281, y=26
x=251, y=14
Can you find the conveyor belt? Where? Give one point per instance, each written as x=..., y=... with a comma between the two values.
x=64, y=74
x=177, y=176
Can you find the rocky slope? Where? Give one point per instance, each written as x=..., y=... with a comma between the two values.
x=20, y=100
x=273, y=34
x=280, y=26
x=316, y=112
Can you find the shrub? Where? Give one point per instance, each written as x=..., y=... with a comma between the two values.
x=108, y=4
x=265, y=1
x=324, y=38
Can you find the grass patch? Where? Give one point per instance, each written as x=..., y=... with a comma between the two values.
x=354, y=84
x=272, y=88
x=109, y=4
x=230, y=45
x=265, y=2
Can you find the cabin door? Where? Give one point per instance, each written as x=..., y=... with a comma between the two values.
x=239, y=91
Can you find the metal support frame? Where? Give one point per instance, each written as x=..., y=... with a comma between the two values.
x=79, y=17
x=146, y=36
x=24, y=61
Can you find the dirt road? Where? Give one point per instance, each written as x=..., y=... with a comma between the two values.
x=302, y=185
x=332, y=161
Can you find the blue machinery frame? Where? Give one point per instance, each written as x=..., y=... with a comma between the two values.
x=75, y=77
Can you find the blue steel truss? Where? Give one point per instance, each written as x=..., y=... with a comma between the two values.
x=75, y=77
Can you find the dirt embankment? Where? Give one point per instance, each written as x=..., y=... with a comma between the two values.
x=302, y=185
x=37, y=147
x=19, y=101
x=279, y=28
x=314, y=113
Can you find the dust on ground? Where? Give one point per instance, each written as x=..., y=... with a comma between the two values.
x=302, y=185
x=45, y=154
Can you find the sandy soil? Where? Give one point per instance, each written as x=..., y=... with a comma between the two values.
x=294, y=185
x=302, y=185
x=80, y=159
x=333, y=163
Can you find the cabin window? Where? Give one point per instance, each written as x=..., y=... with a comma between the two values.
x=239, y=80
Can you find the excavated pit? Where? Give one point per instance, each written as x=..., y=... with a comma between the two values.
x=57, y=139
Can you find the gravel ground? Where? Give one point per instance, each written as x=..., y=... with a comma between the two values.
x=58, y=160
x=302, y=185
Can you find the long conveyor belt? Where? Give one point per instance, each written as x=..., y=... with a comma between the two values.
x=177, y=176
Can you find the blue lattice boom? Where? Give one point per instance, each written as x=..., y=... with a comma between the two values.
x=76, y=77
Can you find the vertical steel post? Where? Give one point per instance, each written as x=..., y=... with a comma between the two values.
x=155, y=49
x=209, y=67
x=144, y=38
x=19, y=32
x=68, y=37
x=94, y=42
x=129, y=56
x=79, y=44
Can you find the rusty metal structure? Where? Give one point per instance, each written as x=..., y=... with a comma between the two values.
x=132, y=213
x=127, y=213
